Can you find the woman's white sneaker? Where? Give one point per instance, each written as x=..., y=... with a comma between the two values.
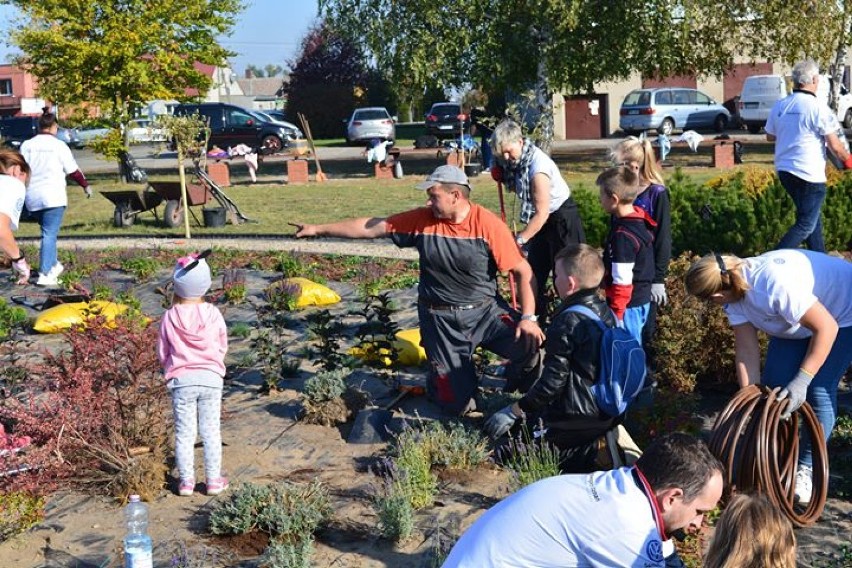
x=804, y=485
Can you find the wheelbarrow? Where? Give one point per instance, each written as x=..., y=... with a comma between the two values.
x=169, y=191
x=130, y=203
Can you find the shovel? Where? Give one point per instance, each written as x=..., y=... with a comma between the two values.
x=370, y=425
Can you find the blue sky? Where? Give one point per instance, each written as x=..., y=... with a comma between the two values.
x=267, y=31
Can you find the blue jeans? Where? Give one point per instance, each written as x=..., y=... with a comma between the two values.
x=50, y=220
x=783, y=360
x=808, y=198
x=634, y=320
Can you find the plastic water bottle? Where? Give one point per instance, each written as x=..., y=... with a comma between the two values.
x=138, y=550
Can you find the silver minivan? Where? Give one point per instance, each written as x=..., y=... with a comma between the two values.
x=665, y=109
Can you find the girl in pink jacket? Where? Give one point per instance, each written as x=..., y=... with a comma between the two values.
x=192, y=344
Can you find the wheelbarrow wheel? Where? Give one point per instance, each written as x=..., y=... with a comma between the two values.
x=123, y=216
x=173, y=214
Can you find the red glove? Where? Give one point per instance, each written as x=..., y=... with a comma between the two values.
x=497, y=173
x=847, y=163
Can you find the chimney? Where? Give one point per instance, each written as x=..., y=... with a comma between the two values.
x=249, y=74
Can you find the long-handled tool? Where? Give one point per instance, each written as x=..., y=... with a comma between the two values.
x=307, y=129
x=511, y=274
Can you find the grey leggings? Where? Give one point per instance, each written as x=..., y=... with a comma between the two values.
x=197, y=409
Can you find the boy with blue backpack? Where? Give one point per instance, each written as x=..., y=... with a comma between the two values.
x=592, y=369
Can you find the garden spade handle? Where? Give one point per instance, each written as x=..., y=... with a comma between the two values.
x=511, y=274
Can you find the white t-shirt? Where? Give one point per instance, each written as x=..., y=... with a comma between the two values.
x=600, y=519
x=12, y=191
x=785, y=284
x=800, y=123
x=50, y=160
x=559, y=190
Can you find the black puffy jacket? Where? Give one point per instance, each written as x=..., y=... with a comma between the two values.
x=572, y=355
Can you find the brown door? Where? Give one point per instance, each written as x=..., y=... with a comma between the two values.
x=586, y=117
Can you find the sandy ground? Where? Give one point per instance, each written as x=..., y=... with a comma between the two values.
x=264, y=442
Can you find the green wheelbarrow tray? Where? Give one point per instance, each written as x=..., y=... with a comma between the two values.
x=131, y=202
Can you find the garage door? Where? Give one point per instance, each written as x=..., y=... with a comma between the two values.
x=586, y=117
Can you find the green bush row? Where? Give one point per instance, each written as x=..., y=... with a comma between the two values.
x=730, y=215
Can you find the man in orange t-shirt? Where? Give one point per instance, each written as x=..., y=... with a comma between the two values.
x=462, y=245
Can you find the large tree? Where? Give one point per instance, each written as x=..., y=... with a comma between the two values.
x=329, y=78
x=116, y=54
x=567, y=46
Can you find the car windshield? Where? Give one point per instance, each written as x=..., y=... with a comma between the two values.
x=637, y=98
x=370, y=114
x=446, y=109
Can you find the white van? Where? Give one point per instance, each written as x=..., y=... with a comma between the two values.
x=760, y=92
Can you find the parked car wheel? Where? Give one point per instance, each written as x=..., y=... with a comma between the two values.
x=271, y=144
x=847, y=120
x=667, y=127
x=753, y=128
x=720, y=123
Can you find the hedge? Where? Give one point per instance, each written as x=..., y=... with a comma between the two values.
x=745, y=212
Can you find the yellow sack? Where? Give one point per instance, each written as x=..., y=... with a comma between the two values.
x=312, y=294
x=407, y=344
x=65, y=316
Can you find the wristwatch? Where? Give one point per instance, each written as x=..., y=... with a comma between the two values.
x=529, y=317
x=520, y=240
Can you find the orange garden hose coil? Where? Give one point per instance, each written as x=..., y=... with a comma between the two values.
x=760, y=451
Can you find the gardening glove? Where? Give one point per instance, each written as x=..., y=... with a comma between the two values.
x=500, y=422
x=88, y=191
x=797, y=391
x=497, y=174
x=23, y=270
x=658, y=294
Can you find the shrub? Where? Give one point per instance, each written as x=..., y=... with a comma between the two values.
x=322, y=398
x=11, y=318
x=694, y=342
x=529, y=460
x=234, y=285
x=327, y=334
x=240, y=329
x=454, y=446
x=142, y=267
x=19, y=510
x=287, y=512
x=117, y=444
x=393, y=506
x=288, y=554
x=745, y=212
x=413, y=463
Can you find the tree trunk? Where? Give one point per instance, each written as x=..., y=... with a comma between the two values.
x=840, y=61
x=543, y=105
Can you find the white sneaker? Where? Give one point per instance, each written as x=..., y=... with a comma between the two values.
x=47, y=281
x=56, y=270
x=804, y=485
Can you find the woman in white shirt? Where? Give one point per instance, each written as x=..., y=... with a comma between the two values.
x=51, y=161
x=14, y=172
x=802, y=300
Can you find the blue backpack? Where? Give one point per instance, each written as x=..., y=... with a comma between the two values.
x=621, y=372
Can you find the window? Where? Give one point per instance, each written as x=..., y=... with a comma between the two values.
x=682, y=97
x=701, y=99
x=238, y=118
x=5, y=87
x=664, y=98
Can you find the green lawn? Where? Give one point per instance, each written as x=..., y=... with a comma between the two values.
x=350, y=192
